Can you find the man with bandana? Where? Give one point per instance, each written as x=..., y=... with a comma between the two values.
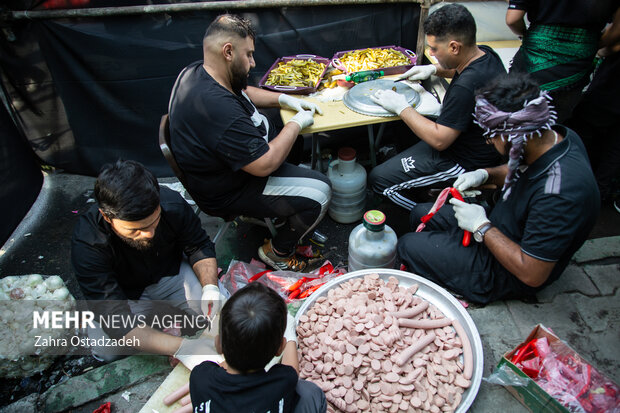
x=234, y=161
x=548, y=204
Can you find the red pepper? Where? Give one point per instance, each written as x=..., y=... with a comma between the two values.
x=257, y=276
x=297, y=284
x=294, y=294
x=310, y=290
x=466, y=235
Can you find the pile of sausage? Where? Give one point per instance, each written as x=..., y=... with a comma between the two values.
x=373, y=345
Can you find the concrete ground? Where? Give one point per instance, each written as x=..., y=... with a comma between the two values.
x=583, y=307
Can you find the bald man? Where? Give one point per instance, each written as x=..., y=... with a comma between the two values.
x=234, y=160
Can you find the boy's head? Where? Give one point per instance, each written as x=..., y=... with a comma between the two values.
x=252, y=324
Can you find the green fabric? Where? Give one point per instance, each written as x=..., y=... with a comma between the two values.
x=547, y=47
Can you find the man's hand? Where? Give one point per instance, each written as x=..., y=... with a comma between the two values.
x=297, y=105
x=212, y=300
x=290, y=333
x=469, y=216
x=194, y=351
x=390, y=100
x=471, y=179
x=419, y=72
x=304, y=118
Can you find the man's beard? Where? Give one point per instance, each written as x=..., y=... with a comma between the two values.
x=239, y=78
x=140, y=245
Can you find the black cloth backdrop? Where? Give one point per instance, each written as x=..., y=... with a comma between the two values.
x=20, y=176
x=111, y=77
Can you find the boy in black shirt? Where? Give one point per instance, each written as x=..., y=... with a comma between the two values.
x=253, y=329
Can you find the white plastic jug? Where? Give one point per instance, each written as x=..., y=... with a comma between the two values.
x=348, y=180
x=372, y=244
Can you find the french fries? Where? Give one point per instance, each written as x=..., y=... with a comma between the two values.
x=297, y=73
x=371, y=59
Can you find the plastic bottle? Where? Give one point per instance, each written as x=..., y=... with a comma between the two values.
x=372, y=244
x=364, y=76
x=348, y=187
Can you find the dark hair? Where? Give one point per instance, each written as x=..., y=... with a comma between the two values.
x=509, y=93
x=452, y=20
x=126, y=190
x=252, y=324
x=231, y=24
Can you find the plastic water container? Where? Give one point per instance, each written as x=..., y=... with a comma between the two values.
x=372, y=244
x=348, y=180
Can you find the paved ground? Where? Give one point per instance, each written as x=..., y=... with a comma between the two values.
x=582, y=307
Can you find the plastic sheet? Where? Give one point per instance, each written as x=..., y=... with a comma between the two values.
x=565, y=376
x=290, y=285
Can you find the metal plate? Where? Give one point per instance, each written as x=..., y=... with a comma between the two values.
x=358, y=97
x=432, y=293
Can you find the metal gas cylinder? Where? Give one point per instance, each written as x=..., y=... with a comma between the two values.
x=372, y=244
x=348, y=180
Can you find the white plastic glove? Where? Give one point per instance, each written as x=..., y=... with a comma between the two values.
x=469, y=216
x=471, y=179
x=290, y=102
x=390, y=100
x=211, y=297
x=290, y=333
x=304, y=118
x=419, y=72
x=194, y=351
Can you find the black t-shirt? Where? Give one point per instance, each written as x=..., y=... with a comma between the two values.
x=588, y=14
x=470, y=149
x=214, y=133
x=553, y=205
x=213, y=389
x=109, y=269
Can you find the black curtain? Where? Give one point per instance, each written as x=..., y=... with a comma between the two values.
x=101, y=85
x=20, y=176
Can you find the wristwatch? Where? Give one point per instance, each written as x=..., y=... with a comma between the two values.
x=479, y=233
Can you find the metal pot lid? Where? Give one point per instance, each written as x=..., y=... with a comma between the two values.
x=358, y=97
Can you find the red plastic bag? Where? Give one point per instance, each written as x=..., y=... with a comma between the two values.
x=290, y=285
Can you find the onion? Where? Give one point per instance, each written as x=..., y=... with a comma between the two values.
x=61, y=294
x=33, y=280
x=54, y=282
x=17, y=293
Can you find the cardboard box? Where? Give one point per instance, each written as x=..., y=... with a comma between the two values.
x=532, y=396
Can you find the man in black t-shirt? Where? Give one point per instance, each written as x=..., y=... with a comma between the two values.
x=138, y=244
x=233, y=159
x=453, y=144
x=549, y=204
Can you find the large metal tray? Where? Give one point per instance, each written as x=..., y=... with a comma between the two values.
x=432, y=293
x=358, y=97
x=295, y=89
x=392, y=70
